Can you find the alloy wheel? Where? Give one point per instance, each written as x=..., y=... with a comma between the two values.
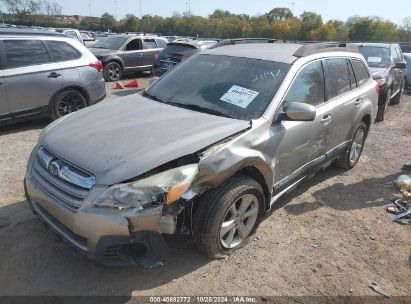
x=356, y=146
x=239, y=221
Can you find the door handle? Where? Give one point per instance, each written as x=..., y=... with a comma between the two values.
x=54, y=75
x=326, y=119
x=358, y=101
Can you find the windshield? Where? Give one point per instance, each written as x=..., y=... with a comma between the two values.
x=111, y=43
x=236, y=87
x=376, y=57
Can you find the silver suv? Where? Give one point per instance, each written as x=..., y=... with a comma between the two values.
x=46, y=74
x=206, y=150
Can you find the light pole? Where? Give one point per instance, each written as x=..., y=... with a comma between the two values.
x=115, y=9
x=188, y=3
x=141, y=11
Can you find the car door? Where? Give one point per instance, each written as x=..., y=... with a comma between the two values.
x=302, y=144
x=339, y=81
x=4, y=107
x=401, y=71
x=132, y=53
x=397, y=73
x=30, y=77
x=150, y=49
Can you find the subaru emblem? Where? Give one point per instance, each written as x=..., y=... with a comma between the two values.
x=54, y=169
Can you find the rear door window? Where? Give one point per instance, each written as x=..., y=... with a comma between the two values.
x=149, y=44
x=20, y=53
x=134, y=45
x=337, y=81
x=62, y=51
x=161, y=43
x=308, y=86
x=361, y=72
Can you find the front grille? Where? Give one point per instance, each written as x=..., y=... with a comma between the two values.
x=59, y=187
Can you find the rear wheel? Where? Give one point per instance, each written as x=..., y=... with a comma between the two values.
x=382, y=108
x=227, y=216
x=67, y=102
x=351, y=157
x=112, y=71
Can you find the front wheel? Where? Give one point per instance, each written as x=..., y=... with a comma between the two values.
x=227, y=216
x=67, y=102
x=112, y=71
x=351, y=157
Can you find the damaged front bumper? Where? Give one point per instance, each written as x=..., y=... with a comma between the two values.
x=105, y=235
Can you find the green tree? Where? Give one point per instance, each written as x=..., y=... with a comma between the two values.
x=310, y=23
x=107, y=21
x=279, y=14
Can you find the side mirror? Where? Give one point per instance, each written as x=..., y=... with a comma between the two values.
x=153, y=80
x=299, y=111
x=401, y=65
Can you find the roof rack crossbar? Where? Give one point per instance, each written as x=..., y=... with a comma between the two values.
x=312, y=48
x=242, y=41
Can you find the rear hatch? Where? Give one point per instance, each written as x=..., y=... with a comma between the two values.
x=173, y=54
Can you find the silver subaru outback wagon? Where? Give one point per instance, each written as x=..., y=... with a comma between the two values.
x=46, y=74
x=206, y=150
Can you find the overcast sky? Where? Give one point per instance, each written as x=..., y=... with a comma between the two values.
x=394, y=10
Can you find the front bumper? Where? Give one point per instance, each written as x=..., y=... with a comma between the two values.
x=107, y=236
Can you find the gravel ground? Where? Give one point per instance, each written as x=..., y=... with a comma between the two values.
x=329, y=237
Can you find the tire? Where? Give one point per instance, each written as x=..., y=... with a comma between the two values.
x=382, y=108
x=112, y=71
x=216, y=209
x=397, y=99
x=67, y=102
x=346, y=161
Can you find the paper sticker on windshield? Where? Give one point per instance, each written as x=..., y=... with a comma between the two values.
x=239, y=96
x=374, y=59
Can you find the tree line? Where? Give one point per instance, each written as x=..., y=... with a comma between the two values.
x=279, y=23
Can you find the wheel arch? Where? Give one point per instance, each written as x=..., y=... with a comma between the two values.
x=71, y=87
x=114, y=59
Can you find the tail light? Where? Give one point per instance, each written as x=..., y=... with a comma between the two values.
x=156, y=56
x=98, y=65
x=377, y=88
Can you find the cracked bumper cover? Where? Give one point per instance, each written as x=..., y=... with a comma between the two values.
x=101, y=234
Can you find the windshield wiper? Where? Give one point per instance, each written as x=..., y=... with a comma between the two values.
x=192, y=107
x=199, y=109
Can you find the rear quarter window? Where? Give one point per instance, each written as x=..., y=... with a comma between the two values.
x=20, y=53
x=149, y=44
x=62, y=51
x=361, y=72
x=161, y=43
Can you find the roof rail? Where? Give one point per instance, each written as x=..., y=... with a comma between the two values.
x=28, y=32
x=242, y=41
x=312, y=48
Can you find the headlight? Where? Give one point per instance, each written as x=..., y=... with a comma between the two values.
x=381, y=81
x=165, y=187
x=379, y=78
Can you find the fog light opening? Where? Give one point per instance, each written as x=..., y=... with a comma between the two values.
x=139, y=250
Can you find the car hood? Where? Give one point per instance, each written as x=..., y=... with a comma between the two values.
x=122, y=139
x=102, y=52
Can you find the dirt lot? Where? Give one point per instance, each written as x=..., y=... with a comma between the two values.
x=329, y=237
